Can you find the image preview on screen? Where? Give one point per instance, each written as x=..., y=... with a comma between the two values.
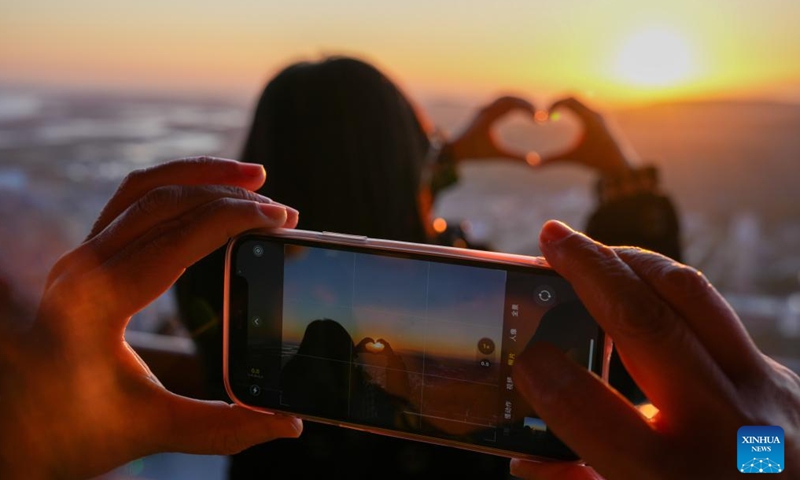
x=339, y=377
x=427, y=334
x=415, y=328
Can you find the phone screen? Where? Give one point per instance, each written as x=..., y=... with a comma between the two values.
x=400, y=343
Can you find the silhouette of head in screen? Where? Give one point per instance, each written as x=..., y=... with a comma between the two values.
x=325, y=379
x=319, y=377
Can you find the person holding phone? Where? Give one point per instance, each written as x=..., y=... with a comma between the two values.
x=75, y=401
x=335, y=135
x=338, y=134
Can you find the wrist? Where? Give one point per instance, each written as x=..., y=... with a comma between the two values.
x=445, y=173
x=619, y=169
x=440, y=171
x=456, y=150
x=626, y=182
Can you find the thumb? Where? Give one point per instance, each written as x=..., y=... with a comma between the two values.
x=503, y=152
x=565, y=156
x=219, y=428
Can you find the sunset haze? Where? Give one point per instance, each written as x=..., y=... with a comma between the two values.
x=735, y=49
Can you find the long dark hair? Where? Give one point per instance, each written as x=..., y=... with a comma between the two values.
x=320, y=375
x=342, y=144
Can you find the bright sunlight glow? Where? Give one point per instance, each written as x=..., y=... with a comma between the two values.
x=655, y=57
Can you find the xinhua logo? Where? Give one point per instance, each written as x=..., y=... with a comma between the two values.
x=760, y=450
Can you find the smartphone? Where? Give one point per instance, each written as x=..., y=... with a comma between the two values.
x=408, y=340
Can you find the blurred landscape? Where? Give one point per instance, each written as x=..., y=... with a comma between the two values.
x=731, y=167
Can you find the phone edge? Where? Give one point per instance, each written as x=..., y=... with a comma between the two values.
x=391, y=246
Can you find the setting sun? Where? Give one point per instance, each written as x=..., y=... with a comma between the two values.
x=623, y=52
x=655, y=57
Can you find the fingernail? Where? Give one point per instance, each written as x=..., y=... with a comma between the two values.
x=251, y=170
x=298, y=427
x=291, y=210
x=515, y=467
x=294, y=426
x=274, y=212
x=533, y=159
x=554, y=231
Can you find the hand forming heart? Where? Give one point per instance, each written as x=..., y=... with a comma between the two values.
x=368, y=345
x=374, y=347
x=596, y=146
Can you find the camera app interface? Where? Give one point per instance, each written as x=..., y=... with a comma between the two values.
x=412, y=345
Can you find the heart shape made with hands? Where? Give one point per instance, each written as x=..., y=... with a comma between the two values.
x=368, y=345
x=540, y=135
x=374, y=347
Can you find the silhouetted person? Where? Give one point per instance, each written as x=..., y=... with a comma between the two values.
x=325, y=378
x=318, y=377
x=335, y=136
x=339, y=136
x=706, y=370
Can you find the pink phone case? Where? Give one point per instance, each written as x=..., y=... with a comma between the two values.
x=371, y=244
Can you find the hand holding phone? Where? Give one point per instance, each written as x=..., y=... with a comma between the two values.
x=686, y=348
x=75, y=399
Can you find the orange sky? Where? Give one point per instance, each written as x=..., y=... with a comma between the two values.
x=612, y=51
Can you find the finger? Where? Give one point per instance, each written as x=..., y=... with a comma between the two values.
x=149, y=266
x=163, y=204
x=710, y=317
x=157, y=206
x=580, y=409
x=188, y=171
x=361, y=347
x=292, y=215
x=552, y=471
x=503, y=152
x=218, y=428
x=585, y=115
x=565, y=156
x=575, y=106
x=505, y=105
x=655, y=344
